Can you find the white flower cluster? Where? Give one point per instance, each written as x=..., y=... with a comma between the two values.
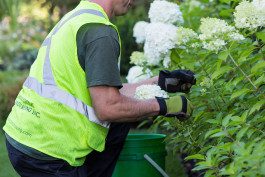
x=215, y=33
x=165, y=12
x=159, y=36
x=145, y=92
x=160, y=39
x=250, y=14
x=137, y=74
x=185, y=35
x=138, y=58
x=139, y=31
x=206, y=82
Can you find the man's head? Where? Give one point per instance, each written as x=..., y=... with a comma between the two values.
x=121, y=7
x=114, y=7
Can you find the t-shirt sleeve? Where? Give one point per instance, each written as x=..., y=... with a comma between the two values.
x=98, y=53
x=101, y=62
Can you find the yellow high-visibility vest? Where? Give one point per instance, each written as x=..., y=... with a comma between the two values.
x=53, y=112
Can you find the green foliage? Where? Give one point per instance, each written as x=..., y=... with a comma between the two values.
x=9, y=8
x=226, y=132
x=10, y=84
x=23, y=38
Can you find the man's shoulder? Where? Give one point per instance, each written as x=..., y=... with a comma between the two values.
x=94, y=31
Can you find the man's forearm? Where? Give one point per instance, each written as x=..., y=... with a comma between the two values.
x=129, y=89
x=128, y=109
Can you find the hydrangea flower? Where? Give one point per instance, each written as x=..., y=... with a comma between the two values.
x=185, y=35
x=206, y=82
x=139, y=31
x=160, y=39
x=259, y=4
x=137, y=74
x=145, y=92
x=250, y=14
x=214, y=45
x=166, y=61
x=215, y=33
x=165, y=12
x=138, y=58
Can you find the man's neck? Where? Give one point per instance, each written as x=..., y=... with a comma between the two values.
x=106, y=5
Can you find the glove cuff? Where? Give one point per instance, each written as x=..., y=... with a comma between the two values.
x=162, y=105
x=162, y=79
x=184, y=104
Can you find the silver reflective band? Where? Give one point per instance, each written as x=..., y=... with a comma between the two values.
x=61, y=96
x=47, y=69
x=47, y=41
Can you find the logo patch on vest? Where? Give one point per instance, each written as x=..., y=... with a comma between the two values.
x=26, y=105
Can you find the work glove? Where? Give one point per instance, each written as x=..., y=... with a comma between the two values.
x=176, y=81
x=176, y=106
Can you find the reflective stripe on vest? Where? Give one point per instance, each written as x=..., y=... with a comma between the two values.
x=47, y=70
x=50, y=90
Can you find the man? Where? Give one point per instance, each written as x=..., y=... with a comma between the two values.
x=67, y=119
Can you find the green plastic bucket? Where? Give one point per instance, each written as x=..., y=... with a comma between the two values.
x=132, y=162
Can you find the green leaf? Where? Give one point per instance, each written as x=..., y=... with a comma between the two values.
x=198, y=116
x=245, y=54
x=212, y=121
x=175, y=56
x=241, y=133
x=221, y=71
x=239, y=93
x=219, y=134
x=209, y=133
x=260, y=80
x=226, y=12
x=250, y=133
x=257, y=106
x=223, y=55
x=226, y=120
x=258, y=66
x=195, y=156
x=261, y=35
x=225, y=1
x=228, y=169
x=202, y=165
x=209, y=173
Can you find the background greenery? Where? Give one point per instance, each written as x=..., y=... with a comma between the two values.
x=23, y=26
x=225, y=135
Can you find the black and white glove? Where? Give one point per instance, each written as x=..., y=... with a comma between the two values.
x=176, y=106
x=176, y=81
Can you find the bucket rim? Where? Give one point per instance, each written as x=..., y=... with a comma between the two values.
x=144, y=136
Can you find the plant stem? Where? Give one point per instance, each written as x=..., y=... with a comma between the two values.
x=245, y=75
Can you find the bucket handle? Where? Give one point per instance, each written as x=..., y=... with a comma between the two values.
x=155, y=165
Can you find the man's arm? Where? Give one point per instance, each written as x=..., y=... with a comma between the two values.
x=129, y=89
x=112, y=106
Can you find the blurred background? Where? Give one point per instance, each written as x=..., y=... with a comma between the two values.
x=23, y=26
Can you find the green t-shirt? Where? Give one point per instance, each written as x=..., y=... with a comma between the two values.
x=98, y=52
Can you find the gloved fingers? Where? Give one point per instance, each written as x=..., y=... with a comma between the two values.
x=186, y=87
x=188, y=78
x=184, y=75
x=165, y=72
